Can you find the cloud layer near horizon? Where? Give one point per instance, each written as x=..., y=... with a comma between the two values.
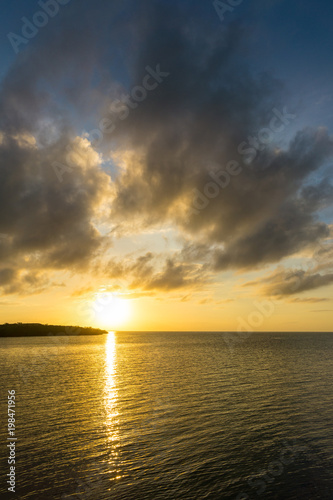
x=208, y=111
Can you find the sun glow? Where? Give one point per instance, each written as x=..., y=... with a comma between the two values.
x=111, y=311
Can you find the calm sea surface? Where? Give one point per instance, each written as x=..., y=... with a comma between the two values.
x=170, y=416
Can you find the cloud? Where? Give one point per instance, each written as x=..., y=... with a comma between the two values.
x=151, y=272
x=300, y=281
x=309, y=300
x=209, y=111
x=23, y=282
x=175, y=276
x=285, y=282
x=314, y=272
x=47, y=224
x=200, y=118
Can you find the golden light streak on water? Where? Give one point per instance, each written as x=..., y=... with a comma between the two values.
x=111, y=400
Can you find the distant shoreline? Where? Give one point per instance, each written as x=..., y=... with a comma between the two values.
x=39, y=330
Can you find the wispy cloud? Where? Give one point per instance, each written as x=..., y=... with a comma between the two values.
x=308, y=300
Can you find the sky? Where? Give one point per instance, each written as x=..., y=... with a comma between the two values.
x=167, y=165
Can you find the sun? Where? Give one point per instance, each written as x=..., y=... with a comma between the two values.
x=110, y=310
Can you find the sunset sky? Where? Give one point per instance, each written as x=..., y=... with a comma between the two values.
x=167, y=165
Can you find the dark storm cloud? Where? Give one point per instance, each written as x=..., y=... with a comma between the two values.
x=45, y=223
x=203, y=115
x=283, y=232
x=315, y=272
x=289, y=283
x=286, y=282
x=40, y=213
x=262, y=216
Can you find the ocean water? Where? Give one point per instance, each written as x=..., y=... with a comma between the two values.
x=169, y=416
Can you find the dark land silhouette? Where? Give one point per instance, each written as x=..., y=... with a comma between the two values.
x=39, y=330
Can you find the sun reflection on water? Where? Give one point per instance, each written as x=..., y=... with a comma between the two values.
x=110, y=349
x=111, y=401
